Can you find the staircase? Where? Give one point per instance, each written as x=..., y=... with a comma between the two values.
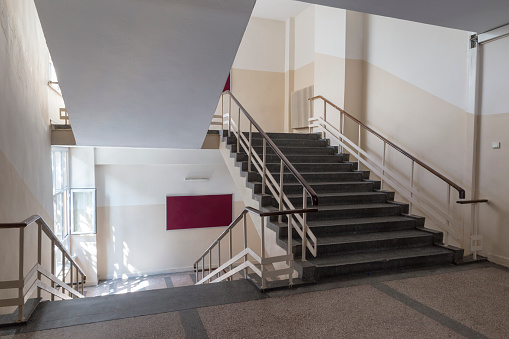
x=359, y=228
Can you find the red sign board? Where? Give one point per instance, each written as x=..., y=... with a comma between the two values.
x=198, y=211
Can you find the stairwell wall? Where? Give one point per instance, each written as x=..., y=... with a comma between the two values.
x=132, y=186
x=25, y=149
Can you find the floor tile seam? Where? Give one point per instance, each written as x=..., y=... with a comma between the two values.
x=429, y=312
x=193, y=324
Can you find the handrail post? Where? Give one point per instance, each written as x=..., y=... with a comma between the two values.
x=249, y=156
x=325, y=111
x=411, y=187
x=230, y=116
x=219, y=257
x=72, y=278
x=210, y=263
x=448, y=209
x=202, y=267
x=304, y=224
x=245, y=242
x=238, y=133
x=281, y=173
x=222, y=123
x=20, y=272
x=264, y=165
x=475, y=229
x=262, y=236
x=39, y=255
x=230, y=250
x=383, y=168
x=52, y=266
x=290, y=248
x=63, y=271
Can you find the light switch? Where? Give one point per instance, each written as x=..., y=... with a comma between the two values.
x=495, y=144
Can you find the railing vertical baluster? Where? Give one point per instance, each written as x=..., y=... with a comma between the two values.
x=202, y=267
x=238, y=133
x=262, y=256
x=52, y=266
x=222, y=117
x=245, y=242
x=383, y=168
x=39, y=254
x=63, y=271
x=264, y=165
x=249, y=156
x=343, y=131
x=230, y=241
x=72, y=278
x=196, y=267
x=448, y=208
x=325, y=111
x=20, y=272
x=304, y=224
x=475, y=230
x=290, y=248
x=82, y=283
x=219, y=257
x=410, y=205
x=358, y=150
x=210, y=264
x=281, y=174
x=230, y=116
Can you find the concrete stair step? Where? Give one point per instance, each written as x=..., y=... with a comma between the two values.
x=326, y=199
x=308, y=167
x=369, y=242
x=287, y=150
x=258, y=142
x=323, y=187
x=286, y=136
x=312, y=177
x=294, y=158
x=327, y=266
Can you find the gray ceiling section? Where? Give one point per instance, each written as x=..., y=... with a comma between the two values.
x=469, y=15
x=143, y=73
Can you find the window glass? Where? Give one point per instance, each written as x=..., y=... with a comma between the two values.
x=83, y=217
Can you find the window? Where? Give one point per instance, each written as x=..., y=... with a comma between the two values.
x=60, y=166
x=83, y=213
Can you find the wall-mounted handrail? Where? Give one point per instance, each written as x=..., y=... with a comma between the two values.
x=55, y=282
x=298, y=176
x=461, y=191
x=225, y=270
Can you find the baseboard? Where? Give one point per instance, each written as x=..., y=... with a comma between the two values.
x=137, y=274
x=497, y=259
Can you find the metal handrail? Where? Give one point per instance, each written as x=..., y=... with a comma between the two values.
x=461, y=191
x=298, y=176
x=38, y=285
x=220, y=271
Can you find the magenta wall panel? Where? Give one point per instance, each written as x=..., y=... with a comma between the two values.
x=197, y=211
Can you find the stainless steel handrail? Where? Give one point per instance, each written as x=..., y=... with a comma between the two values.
x=298, y=176
x=38, y=285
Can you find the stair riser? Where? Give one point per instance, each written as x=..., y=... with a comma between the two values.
x=331, y=188
x=418, y=262
x=336, y=200
x=321, y=231
x=355, y=213
x=289, y=151
x=239, y=157
x=359, y=247
x=312, y=177
x=286, y=136
x=303, y=168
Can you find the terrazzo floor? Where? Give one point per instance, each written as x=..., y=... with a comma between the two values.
x=470, y=301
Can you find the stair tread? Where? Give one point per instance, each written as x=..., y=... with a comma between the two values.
x=322, y=183
x=348, y=259
x=338, y=194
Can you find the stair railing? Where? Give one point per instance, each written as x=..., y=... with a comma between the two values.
x=443, y=218
x=226, y=269
x=26, y=285
x=260, y=164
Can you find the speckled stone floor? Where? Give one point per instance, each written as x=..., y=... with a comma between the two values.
x=470, y=301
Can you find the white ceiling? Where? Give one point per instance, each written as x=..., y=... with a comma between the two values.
x=278, y=9
x=469, y=15
x=142, y=73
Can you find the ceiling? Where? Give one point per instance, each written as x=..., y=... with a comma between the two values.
x=148, y=73
x=142, y=73
x=469, y=15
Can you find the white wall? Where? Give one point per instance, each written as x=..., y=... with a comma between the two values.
x=304, y=37
x=132, y=188
x=25, y=153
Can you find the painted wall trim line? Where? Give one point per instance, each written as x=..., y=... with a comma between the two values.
x=164, y=271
